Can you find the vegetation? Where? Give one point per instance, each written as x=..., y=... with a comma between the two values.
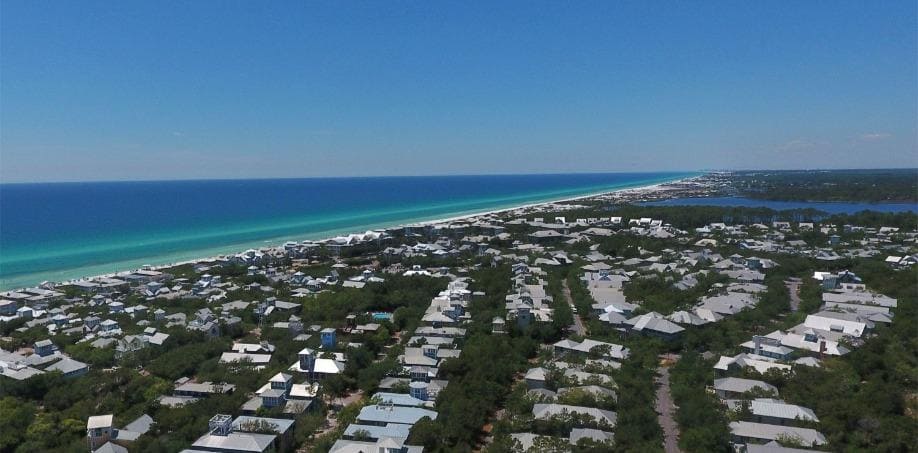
x=657, y=293
x=835, y=185
x=480, y=378
x=700, y=414
x=65, y=404
x=479, y=381
x=866, y=400
x=637, y=428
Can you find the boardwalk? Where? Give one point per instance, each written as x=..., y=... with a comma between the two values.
x=577, y=327
x=665, y=407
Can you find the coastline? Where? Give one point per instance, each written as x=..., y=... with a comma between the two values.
x=271, y=243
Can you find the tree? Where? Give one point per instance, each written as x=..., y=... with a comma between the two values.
x=15, y=417
x=426, y=432
x=549, y=444
x=701, y=417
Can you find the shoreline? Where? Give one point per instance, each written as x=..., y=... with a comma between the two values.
x=545, y=203
x=273, y=243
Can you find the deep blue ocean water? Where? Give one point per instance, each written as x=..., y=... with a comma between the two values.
x=827, y=206
x=63, y=231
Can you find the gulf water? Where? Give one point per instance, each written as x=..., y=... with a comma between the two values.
x=62, y=231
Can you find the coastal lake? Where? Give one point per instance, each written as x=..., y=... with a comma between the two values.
x=831, y=207
x=63, y=231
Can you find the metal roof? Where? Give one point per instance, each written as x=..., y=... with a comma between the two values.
x=251, y=442
x=767, y=407
x=807, y=437
x=100, y=421
x=394, y=414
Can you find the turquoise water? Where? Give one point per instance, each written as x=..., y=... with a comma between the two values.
x=64, y=231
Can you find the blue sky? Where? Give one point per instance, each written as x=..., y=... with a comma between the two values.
x=205, y=89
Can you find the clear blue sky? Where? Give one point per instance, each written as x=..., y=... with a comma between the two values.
x=219, y=89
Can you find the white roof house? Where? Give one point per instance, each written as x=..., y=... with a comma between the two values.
x=238, y=357
x=860, y=297
x=109, y=447
x=382, y=444
x=774, y=447
x=616, y=351
x=728, y=304
x=100, y=421
x=759, y=363
x=758, y=432
x=536, y=374
x=684, y=317
x=589, y=433
x=377, y=414
x=68, y=366
x=773, y=408
x=235, y=442
x=810, y=341
x=847, y=323
x=740, y=385
x=655, y=323
x=528, y=440
x=545, y=411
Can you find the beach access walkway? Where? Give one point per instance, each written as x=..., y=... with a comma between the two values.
x=578, y=326
x=793, y=290
x=665, y=406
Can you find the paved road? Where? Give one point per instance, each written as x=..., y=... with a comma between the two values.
x=578, y=326
x=793, y=288
x=665, y=407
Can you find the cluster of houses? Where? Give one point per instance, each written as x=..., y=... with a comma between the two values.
x=578, y=371
x=187, y=391
x=529, y=302
x=773, y=238
x=762, y=419
x=561, y=231
x=295, y=392
x=46, y=307
x=250, y=432
x=846, y=319
x=101, y=433
x=385, y=423
x=97, y=319
x=605, y=284
x=27, y=303
x=43, y=357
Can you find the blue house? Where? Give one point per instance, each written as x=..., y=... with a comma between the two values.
x=44, y=348
x=328, y=338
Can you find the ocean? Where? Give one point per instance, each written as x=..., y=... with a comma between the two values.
x=62, y=231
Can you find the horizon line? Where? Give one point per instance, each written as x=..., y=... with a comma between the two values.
x=431, y=175
x=293, y=178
